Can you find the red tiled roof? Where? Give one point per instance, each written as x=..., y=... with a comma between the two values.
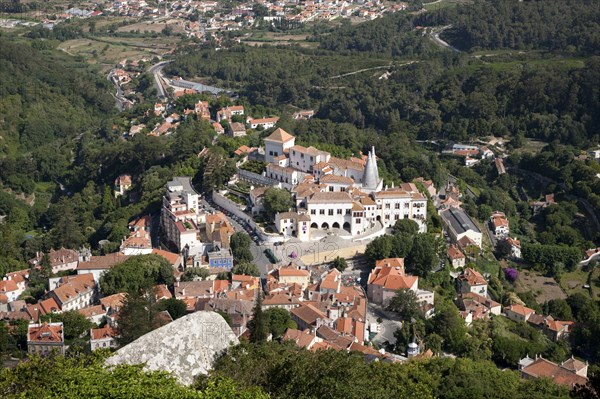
x=45, y=332
x=103, y=333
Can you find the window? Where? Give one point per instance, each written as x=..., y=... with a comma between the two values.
x=347, y=211
x=330, y=188
x=330, y=213
x=397, y=205
x=270, y=152
x=378, y=206
x=321, y=211
x=294, y=152
x=358, y=221
x=339, y=212
x=302, y=156
x=406, y=205
x=387, y=206
x=396, y=217
x=313, y=212
x=387, y=217
x=311, y=158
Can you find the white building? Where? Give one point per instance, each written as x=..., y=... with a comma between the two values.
x=278, y=143
x=472, y=281
x=180, y=213
x=459, y=225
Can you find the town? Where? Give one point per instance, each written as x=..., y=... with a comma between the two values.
x=339, y=199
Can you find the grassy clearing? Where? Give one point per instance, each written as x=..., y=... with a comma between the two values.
x=109, y=51
x=574, y=281
x=543, y=288
x=45, y=187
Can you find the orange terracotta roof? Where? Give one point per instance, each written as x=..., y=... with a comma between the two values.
x=171, y=257
x=280, y=135
x=472, y=277
x=45, y=332
x=103, y=333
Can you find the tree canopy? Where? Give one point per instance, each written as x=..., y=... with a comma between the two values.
x=136, y=274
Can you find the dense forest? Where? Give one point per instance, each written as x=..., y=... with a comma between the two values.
x=571, y=26
x=454, y=97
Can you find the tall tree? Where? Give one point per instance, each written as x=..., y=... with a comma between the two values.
x=277, y=200
x=258, y=325
x=240, y=247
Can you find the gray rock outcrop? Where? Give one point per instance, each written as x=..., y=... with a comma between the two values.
x=186, y=347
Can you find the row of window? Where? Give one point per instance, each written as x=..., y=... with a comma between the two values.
x=329, y=212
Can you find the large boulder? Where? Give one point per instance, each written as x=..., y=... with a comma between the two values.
x=186, y=347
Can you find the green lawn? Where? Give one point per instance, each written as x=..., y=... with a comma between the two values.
x=574, y=281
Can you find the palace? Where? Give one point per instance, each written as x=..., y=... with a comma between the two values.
x=334, y=193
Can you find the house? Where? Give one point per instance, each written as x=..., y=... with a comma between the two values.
x=76, y=293
x=307, y=316
x=280, y=300
x=514, y=247
x=456, y=257
x=304, y=339
x=122, y=184
x=459, y=225
x=98, y=265
x=220, y=257
x=60, y=260
x=194, y=289
x=569, y=373
x=499, y=224
x=472, y=281
x=539, y=205
x=265, y=123
x=44, y=338
x=477, y=307
x=95, y=313
x=202, y=110
x=101, y=338
x=10, y=289
x=303, y=115
x=387, y=278
x=518, y=312
x=218, y=128
x=500, y=168
x=228, y=112
x=112, y=304
x=237, y=129
x=556, y=330
x=292, y=275
x=159, y=109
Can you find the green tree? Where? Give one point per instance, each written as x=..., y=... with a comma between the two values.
x=423, y=256
x=86, y=376
x=278, y=320
x=46, y=266
x=406, y=226
x=277, y=200
x=339, y=263
x=176, y=308
x=448, y=324
x=379, y=248
x=258, y=326
x=247, y=268
x=136, y=317
x=406, y=304
x=74, y=323
x=136, y=274
x=240, y=247
x=192, y=273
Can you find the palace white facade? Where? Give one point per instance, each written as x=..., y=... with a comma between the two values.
x=334, y=193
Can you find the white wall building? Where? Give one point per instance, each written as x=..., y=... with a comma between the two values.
x=278, y=143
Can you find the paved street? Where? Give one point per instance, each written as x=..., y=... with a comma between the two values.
x=387, y=328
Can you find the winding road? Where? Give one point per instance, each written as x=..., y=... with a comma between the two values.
x=435, y=36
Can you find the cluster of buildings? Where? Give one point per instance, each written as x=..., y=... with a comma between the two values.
x=200, y=236
x=472, y=154
x=333, y=193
